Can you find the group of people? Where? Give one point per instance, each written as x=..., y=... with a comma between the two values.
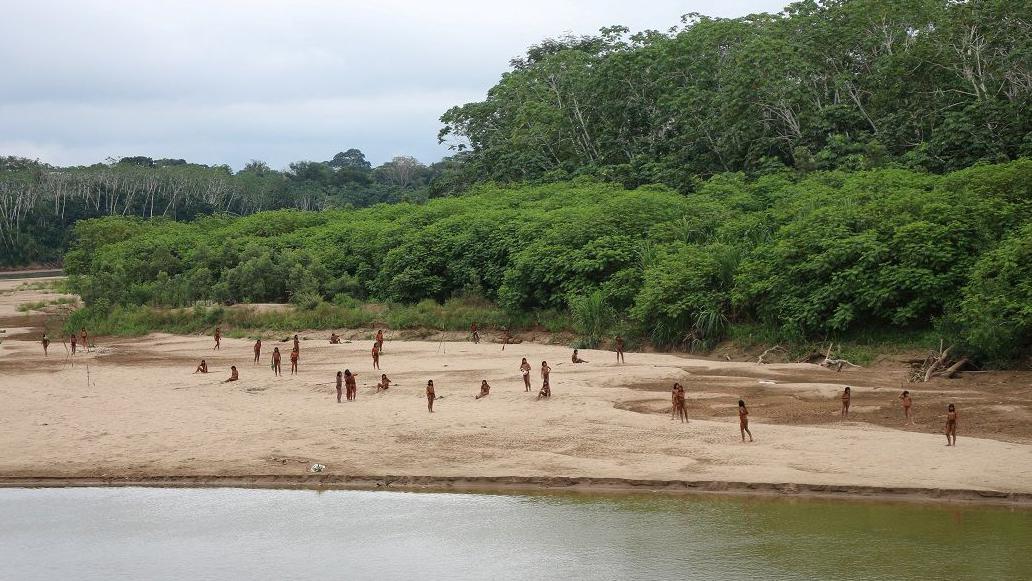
x=74, y=341
x=907, y=402
x=347, y=385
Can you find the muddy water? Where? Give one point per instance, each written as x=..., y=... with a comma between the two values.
x=139, y=533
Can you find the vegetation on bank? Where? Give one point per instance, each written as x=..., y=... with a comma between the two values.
x=804, y=256
x=832, y=85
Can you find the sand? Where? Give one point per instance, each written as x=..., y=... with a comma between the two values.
x=133, y=409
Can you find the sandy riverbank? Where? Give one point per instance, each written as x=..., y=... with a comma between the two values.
x=132, y=410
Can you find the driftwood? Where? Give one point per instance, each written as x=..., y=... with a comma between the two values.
x=760, y=359
x=837, y=363
x=936, y=364
x=952, y=370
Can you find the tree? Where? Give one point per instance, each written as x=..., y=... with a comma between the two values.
x=352, y=158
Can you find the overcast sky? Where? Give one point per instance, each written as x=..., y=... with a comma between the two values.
x=226, y=81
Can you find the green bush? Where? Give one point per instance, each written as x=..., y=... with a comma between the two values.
x=806, y=257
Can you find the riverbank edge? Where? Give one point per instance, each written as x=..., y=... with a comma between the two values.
x=516, y=484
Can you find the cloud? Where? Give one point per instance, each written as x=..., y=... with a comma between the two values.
x=227, y=81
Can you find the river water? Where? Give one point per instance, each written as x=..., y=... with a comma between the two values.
x=197, y=534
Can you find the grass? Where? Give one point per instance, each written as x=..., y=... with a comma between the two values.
x=861, y=347
x=242, y=321
x=40, y=305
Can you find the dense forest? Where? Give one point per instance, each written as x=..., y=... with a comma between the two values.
x=838, y=84
x=39, y=203
x=820, y=255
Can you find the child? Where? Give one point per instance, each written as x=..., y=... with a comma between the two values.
x=743, y=420
x=340, y=381
x=485, y=389
x=546, y=391
x=384, y=384
x=907, y=403
x=951, y=425
x=846, y=395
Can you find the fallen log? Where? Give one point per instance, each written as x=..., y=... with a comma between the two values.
x=952, y=370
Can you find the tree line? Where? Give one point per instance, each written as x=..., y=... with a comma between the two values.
x=801, y=256
x=39, y=203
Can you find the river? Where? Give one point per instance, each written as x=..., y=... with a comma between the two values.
x=153, y=534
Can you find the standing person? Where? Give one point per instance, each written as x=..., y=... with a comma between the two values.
x=545, y=370
x=218, y=338
x=525, y=370
x=277, y=368
x=293, y=362
x=430, y=396
x=379, y=339
x=619, y=350
x=350, y=386
x=46, y=344
x=233, y=375
x=473, y=333
x=297, y=345
x=951, y=425
x=202, y=368
x=257, y=350
x=682, y=404
x=376, y=357
x=485, y=389
x=506, y=337
x=74, y=341
x=907, y=402
x=384, y=384
x=85, y=339
x=673, y=401
x=743, y=420
x=340, y=382
x=846, y=396
x=576, y=358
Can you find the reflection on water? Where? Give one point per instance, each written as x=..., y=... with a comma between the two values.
x=141, y=533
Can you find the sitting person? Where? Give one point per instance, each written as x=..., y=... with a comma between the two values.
x=546, y=391
x=233, y=375
x=334, y=339
x=202, y=368
x=485, y=390
x=577, y=359
x=384, y=384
